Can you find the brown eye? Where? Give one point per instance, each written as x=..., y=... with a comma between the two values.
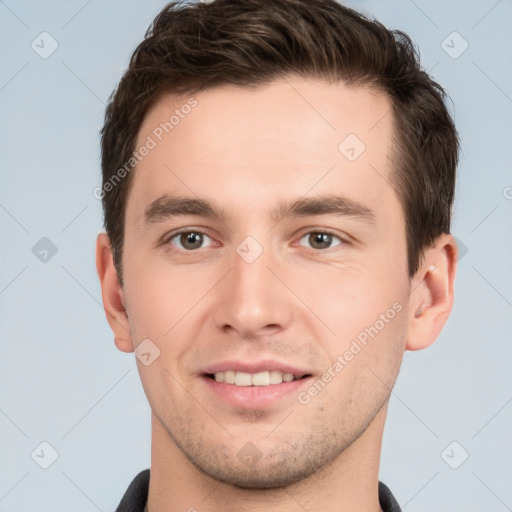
x=321, y=240
x=188, y=240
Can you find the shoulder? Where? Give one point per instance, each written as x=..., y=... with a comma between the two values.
x=387, y=501
x=135, y=497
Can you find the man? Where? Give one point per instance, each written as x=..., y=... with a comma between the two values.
x=278, y=180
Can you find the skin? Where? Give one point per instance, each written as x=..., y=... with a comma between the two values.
x=247, y=151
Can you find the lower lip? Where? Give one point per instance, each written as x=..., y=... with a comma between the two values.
x=255, y=397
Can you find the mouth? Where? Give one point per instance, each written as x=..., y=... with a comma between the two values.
x=260, y=385
x=263, y=378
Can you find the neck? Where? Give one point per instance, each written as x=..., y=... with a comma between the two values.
x=349, y=483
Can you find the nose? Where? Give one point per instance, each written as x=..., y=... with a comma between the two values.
x=252, y=301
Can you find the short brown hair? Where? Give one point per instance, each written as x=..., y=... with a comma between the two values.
x=192, y=47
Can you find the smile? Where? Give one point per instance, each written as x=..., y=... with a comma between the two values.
x=264, y=378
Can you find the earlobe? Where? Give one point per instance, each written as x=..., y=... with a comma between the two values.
x=432, y=293
x=112, y=294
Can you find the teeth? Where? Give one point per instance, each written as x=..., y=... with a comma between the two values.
x=243, y=379
x=261, y=379
x=275, y=377
x=253, y=379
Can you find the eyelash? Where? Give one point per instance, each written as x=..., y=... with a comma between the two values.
x=167, y=240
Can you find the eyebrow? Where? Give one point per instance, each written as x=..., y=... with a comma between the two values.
x=168, y=206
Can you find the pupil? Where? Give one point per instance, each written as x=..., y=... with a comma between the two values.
x=322, y=239
x=191, y=240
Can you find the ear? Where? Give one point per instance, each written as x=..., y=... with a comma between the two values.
x=431, y=297
x=113, y=295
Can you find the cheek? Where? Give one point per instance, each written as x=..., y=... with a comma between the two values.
x=159, y=295
x=347, y=301
x=369, y=359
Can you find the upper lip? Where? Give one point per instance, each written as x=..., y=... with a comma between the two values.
x=255, y=367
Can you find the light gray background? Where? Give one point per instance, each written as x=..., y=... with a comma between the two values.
x=63, y=381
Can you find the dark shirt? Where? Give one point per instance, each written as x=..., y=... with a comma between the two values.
x=136, y=496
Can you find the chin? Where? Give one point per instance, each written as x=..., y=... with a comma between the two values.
x=267, y=476
x=249, y=468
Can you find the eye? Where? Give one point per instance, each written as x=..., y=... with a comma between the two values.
x=188, y=240
x=321, y=240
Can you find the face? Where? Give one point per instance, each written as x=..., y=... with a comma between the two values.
x=264, y=243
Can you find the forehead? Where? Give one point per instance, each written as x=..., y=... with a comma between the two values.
x=282, y=138
x=266, y=115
